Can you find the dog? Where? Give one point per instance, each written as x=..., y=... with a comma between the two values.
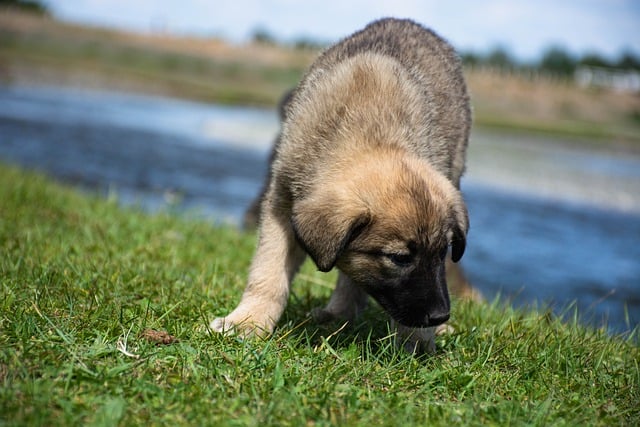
x=365, y=178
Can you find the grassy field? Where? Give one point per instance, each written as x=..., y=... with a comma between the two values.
x=40, y=50
x=101, y=323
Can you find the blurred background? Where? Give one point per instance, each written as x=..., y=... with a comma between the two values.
x=172, y=106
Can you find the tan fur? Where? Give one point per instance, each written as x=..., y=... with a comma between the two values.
x=365, y=178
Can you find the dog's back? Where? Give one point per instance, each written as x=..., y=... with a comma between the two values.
x=432, y=64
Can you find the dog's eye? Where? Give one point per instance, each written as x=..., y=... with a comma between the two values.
x=401, y=260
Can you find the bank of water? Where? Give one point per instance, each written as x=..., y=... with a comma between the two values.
x=552, y=223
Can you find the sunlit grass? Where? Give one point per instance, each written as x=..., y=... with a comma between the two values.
x=83, y=282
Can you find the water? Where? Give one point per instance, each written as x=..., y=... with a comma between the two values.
x=151, y=151
x=551, y=223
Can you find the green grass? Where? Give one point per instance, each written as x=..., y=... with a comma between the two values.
x=82, y=279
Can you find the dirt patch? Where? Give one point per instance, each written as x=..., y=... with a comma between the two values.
x=158, y=337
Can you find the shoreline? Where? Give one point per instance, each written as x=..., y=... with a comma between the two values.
x=36, y=50
x=585, y=141
x=541, y=166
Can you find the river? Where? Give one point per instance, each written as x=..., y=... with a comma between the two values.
x=553, y=222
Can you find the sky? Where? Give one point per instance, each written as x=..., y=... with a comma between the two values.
x=524, y=27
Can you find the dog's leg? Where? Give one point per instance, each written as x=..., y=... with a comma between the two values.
x=415, y=340
x=346, y=303
x=419, y=340
x=277, y=258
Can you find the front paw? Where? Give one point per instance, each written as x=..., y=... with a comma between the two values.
x=243, y=325
x=321, y=315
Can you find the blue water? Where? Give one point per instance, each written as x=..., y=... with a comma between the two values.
x=550, y=224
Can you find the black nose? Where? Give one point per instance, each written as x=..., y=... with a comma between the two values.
x=436, y=319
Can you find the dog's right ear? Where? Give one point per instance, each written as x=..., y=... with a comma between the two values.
x=460, y=227
x=324, y=230
x=458, y=245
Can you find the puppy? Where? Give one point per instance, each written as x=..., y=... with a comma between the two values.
x=365, y=177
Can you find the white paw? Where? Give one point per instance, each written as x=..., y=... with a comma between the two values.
x=221, y=325
x=243, y=325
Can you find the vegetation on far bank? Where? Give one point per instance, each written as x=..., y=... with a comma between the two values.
x=102, y=322
x=42, y=50
x=29, y=6
x=39, y=49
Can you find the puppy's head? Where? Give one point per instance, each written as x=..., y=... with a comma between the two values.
x=389, y=228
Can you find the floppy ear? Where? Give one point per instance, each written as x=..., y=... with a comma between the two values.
x=458, y=245
x=324, y=230
x=460, y=228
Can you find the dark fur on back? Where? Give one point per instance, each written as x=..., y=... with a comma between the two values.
x=435, y=67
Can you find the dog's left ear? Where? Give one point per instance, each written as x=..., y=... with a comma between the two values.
x=324, y=228
x=459, y=228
